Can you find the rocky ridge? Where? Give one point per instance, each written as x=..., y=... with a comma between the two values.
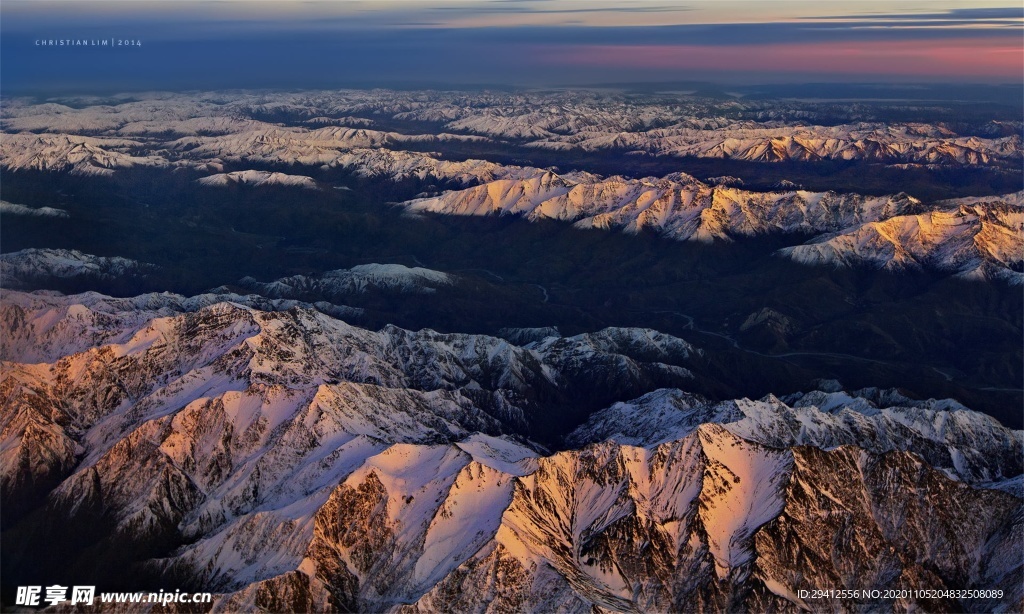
x=310, y=465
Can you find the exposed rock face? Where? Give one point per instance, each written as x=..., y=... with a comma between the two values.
x=93, y=378
x=708, y=522
x=976, y=240
x=677, y=206
x=971, y=446
x=291, y=461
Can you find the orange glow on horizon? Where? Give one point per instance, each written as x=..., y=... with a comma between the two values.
x=993, y=57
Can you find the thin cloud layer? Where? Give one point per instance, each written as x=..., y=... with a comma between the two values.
x=510, y=42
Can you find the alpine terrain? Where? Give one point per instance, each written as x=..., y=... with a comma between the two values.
x=503, y=351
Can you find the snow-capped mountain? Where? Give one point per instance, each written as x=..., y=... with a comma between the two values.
x=708, y=522
x=128, y=364
x=102, y=156
x=967, y=445
x=302, y=347
x=262, y=446
x=295, y=145
x=764, y=131
x=677, y=206
x=7, y=208
x=60, y=325
x=215, y=132
x=79, y=155
x=339, y=283
x=258, y=178
x=305, y=464
x=981, y=240
x=22, y=268
x=978, y=237
x=780, y=143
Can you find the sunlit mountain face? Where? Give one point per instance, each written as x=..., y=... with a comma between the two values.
x=529, y=306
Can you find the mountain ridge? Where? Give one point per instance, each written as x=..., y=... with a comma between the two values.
x=299, y=462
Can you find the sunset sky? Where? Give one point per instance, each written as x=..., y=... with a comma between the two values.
x=507, y=42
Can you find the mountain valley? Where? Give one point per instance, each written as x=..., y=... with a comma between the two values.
x=505, y=351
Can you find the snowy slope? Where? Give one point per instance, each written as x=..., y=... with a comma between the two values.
x=707, y=522
x=20, y=268
x=79, y=155
x=7, y=208
x=257, y=179
x=211, y=124
x=921, y=144
x=971, y=446
x=208, y=131
x=308, y=464
x=386, y=277
x=983, y=240
x=676, y=206
x=977, y=238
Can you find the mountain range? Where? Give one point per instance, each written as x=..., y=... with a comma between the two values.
x=291, y=461
x=228, y=140
x=513, y=351
x=749, y=130
x=979, y=238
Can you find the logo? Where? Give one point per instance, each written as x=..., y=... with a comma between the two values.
x=31, y=595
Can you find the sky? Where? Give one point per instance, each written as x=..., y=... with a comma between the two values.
x=291, y=44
